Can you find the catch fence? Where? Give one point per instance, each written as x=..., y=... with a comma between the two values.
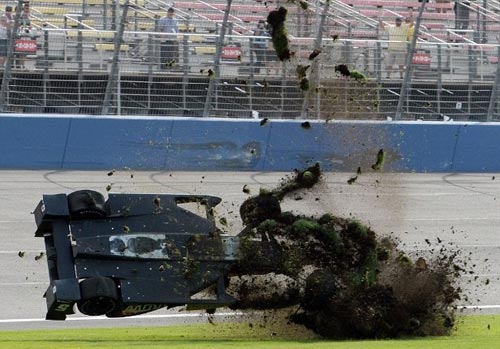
x=94, y=57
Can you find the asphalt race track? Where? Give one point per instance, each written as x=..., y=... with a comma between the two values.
x=461, y=210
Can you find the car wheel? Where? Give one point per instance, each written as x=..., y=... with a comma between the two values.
x=99, y=296
x=86, y=204
x=257, y=209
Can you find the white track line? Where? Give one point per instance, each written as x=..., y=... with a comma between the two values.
x=163, y=316
x=187, y=315
x=21, y=250
x=478, y=307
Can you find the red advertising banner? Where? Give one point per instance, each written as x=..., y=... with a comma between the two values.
x=26, y=46
x=421, y=58
x=231, y=52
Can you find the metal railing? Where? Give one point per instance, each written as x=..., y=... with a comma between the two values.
x=87, y=70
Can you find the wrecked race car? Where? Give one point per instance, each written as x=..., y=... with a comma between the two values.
x=135, y=253
x=132, y=253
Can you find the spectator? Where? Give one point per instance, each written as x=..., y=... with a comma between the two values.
x=411, y=27
x=259, y=45
x=26, y=17
x=6, y=24
x=398, y=43
x=25, y=30
x=169, y=52
x=461, y=9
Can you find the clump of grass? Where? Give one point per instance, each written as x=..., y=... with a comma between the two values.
x=276, y=19
x=379, y=164
x=344, y=280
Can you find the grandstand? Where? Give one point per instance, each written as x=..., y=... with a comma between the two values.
x=81, y=60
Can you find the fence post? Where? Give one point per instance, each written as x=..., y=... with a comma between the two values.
x=114, y=21
x=494, y=90
x=439, y=79
x=113, y=75
x=6, y=74
x=214, y=79
x=84, y=10
x=472, y=70
x=313, y=77
x=45, y=65
x=378, y=57
x=79, y=56
x=185, y=67
x=284, y=86
x=251, y=77
x=409, y=59
x=477, y=32
x=79, y=48
x=348, y=44
x=484, y=39
x=11, y=44
x=105, y=15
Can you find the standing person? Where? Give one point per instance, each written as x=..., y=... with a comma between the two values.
x=461, y=9
x=6, y=24
x=26, y=18
x=25, y=30
x=169, y=52
x=259, y=44
x=411, y=27
x=398, y=43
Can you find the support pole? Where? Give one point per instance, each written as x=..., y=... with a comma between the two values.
x=378, y=57
x=409, y=58
x=185, y=67
x=439, y=79
x=314, y=75
x=113, y=75
x=214, y=79
x=45, y=66
x=494, y=91
x=11, y=43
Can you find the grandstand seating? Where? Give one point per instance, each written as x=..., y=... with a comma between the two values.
x=148, y=85
x=446, y=6
x=96, y=34
x=43, y=10
x=438, y=16
x=204, y=50
x=349, y=19
x=110, y=47
x=62, y=22
x=87, y=2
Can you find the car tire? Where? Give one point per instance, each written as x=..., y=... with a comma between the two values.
x=99, y=296
x=257, y=209
x=86, y=204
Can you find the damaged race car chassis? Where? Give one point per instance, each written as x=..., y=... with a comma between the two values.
x=135, y=253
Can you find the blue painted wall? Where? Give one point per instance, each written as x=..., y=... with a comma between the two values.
x=161, y=143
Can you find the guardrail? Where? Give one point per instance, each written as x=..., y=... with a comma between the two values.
x=90, y=71
x=76, y=142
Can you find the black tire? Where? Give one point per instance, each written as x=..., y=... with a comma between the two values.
x=257, y=209
x=86, y=204
x=99, y=296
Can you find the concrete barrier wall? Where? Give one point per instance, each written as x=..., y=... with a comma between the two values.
x=148, y=143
